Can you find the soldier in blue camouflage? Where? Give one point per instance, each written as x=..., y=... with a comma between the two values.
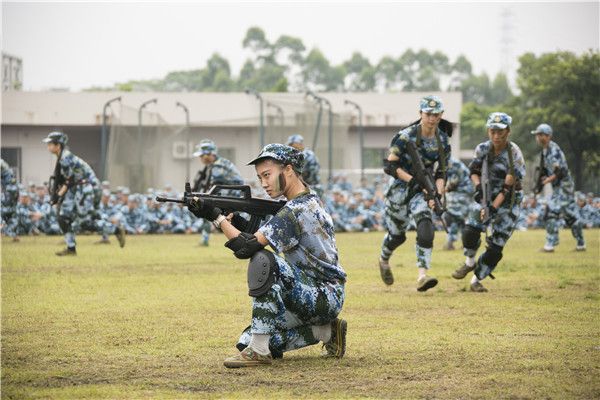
x=10, y=196
x=405, y=199
x=217, y=171
x=459, y=192
x=506, y=168
x=562, y=202
x=298, y=303
x=78, y=196
x=311, y=173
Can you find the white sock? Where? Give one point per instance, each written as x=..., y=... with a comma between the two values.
x=260, y=344
x=470, y=261
x=322, y=332
x=474, y=279
x=422, y=272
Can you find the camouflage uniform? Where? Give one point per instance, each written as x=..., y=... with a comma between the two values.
x=220, y=172
x=504, y=222
x=562, y=202
x=400, y=205
x=77, y=209
x=309, y=289
x=459, y=191
x=10, y=196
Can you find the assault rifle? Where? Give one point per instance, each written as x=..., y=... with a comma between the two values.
x=538, y=177
x=425, y=180
x=486, y=191
x=56, y=181
x=258, y=209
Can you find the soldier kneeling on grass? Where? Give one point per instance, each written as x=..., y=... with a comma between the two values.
x=298, y=305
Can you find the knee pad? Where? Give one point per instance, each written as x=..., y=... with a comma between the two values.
x=262, y=273
x=492, y=255
x=425, y=233
x=471, y=237
x=64, y=223
x=395, y=240
x=570, y=220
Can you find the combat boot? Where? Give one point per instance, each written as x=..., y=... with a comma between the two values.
x=336, y=347
x=386, y=272
x=69, y=251
x=462, y=271
x=478, y=287
x=425, y=283
x=248, y=358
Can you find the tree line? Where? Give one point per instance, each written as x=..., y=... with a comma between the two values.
x=561, y=89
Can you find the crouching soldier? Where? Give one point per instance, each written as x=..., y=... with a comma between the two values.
x=506, y=168
x=299, y=303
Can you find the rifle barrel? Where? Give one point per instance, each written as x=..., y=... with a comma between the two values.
x=161, y=199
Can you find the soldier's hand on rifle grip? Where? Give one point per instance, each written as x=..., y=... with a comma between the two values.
x=203, y=208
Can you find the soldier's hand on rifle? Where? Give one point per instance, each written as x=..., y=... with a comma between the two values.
x=478, y=193
x=491, y=210
x=62, y=190
x=203, y=208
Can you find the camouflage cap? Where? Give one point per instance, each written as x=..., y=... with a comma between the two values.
x=205, y=147
x=295, y=139
x=542, y=128
x=431, y=104
x=282, y=153
x=498, y=120
x=56, y=137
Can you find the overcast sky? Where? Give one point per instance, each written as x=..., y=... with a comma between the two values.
x=78, y=45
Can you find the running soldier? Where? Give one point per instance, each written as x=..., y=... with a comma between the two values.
x=76, y=193
x=554, y=170
x=217, y=171
x=311, y=173
x=506, y=168
x=459, y=190
x=405, y=197
x=298, y=304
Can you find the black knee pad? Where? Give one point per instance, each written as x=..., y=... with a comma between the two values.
x=64, y=224
x=492, y=255
x=395, y=241
x=471, y=237
x=570, y=220
x=425, y=233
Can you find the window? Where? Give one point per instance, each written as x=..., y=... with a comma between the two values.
x=373, y=158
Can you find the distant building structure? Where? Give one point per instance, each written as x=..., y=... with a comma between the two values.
x=12, y=72
x=230, y=119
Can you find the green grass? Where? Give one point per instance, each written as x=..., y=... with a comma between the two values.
x=156, y=319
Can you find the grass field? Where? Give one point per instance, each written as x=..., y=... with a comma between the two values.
x=156, y=319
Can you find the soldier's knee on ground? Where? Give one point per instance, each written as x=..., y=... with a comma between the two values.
x=425, y=233
x=471, y=237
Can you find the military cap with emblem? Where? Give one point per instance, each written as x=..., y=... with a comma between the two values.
x=282, y=153
x=498, y=120
x=205, y=147
x=431, y=104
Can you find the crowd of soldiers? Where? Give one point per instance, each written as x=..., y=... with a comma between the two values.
x=353, y=210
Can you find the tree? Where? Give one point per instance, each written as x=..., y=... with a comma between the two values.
x=562, y=89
